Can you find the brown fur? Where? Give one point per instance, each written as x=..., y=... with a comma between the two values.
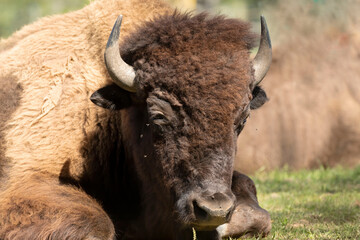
x=64, y=151
x=199, y=69
x=195, y=71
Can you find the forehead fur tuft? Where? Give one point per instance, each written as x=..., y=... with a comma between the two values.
x=172, y=30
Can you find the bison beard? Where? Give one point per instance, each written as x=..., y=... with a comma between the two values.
x=158, y=155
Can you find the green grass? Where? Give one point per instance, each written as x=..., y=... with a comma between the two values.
x=311, y=204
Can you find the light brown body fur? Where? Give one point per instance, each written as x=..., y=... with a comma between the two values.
x=57, y=71
x=54, y=71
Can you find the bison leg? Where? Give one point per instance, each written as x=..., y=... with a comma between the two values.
x=248, y=219
x=41, y=208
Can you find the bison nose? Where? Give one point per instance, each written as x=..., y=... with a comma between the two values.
x=212, y=210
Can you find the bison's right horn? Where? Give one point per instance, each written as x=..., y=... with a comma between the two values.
x=262, y=60
x=122, y=74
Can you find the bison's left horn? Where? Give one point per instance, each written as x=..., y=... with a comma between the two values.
x=122, y=74
x=262, y=60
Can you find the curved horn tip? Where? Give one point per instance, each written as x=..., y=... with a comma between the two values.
x=115, y=32
x=121, y=73
x=265, y=29
x=262, y=60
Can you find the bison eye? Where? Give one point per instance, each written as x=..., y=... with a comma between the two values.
x=160, y=111
x=158, y=118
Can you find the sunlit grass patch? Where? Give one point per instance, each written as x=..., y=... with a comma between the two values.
x=315, y=204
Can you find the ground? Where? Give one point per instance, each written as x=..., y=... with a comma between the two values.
x=311, y=204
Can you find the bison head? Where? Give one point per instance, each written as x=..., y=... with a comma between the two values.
x=185, y=86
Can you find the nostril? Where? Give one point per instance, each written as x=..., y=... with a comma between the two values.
x=200, y=213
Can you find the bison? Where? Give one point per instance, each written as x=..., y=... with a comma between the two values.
x=153, y=157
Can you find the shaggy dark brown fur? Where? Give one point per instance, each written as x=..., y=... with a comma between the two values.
x=192, y=56
x=177, y=138
x=202, y=64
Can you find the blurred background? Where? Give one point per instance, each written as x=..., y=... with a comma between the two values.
x=313, y=116
x=15, y=14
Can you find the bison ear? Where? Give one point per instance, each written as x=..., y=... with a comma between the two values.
x=259, y=98
x=111, y=97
